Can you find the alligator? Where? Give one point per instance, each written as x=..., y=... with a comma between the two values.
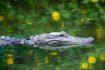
x=52, y=41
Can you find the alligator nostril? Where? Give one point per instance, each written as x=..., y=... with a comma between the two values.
x=91, y=39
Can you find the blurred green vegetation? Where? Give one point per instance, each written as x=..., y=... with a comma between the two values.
x=22, y=18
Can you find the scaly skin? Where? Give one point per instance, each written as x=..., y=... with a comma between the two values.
x=53, y=40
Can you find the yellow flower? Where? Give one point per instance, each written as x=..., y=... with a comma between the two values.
x=46, y=60
x=102, y=57
x=1, y=18
x=55, y=15
x=85, y=66
x=53, y=53
x=92, y=59
x=95, y=1
x=9, y=59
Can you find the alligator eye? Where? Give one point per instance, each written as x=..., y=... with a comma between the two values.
x=61, y=35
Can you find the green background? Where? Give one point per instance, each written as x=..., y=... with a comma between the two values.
x=23, y=18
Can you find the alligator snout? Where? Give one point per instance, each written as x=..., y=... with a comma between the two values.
x=79, y=40
x=90, y=40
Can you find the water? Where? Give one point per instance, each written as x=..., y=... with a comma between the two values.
x=29, y=17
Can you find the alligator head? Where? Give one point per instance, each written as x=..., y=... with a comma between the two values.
x=58, y=40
